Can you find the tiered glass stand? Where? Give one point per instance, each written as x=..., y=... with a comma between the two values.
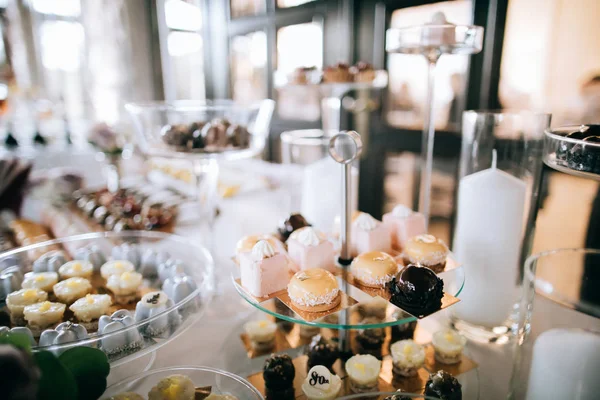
x=432, y=41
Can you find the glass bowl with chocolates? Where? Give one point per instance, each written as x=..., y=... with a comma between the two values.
x=574, y=150
x=126, y=293
x=212, y=128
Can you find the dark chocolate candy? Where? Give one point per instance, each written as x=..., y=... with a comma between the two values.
x=321, y=352
x=279, y=372
x=417, y=290
x=443, y=386
x=292, y=223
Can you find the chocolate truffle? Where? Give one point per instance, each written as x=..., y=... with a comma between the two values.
x=443, y=386
x=279, y=373
x=289, y=225
x=417, y=290
x=403, y=331
x=321, y=352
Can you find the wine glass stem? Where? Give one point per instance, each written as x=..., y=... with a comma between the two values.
x=206, y=173
x=427, y=145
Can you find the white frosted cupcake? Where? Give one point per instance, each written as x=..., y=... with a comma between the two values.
x=363, y=371
x=40, y=280
x=124, y=286
x=174, y=387
x=17, y=301
x=116, y=267
x=407, y=357
x=71, y=289
x=89, y=308
x=320, y=384
x=76, y=269
x=261, y=334
x=43, y=315
x=448, y=345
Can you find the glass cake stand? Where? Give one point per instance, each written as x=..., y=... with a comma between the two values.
x=351, y=317
x=219, y=381
x=151, y=118
x=332, y=94
x=432, y=41
x=571, y=156
x=196, y=262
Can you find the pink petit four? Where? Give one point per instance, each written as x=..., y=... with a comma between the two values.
x=368, y=234
x=310, y=249
x=264, y=271
x=404, y=223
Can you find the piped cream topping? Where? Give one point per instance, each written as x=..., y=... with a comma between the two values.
x=261, y=250
x=407, y=354
x=449, y=341
x=401, y=211
x=306, y=236
x=363, y=368
x=365, y=222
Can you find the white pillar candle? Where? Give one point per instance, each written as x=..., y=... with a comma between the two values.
x=489, y=230
x=565, y=365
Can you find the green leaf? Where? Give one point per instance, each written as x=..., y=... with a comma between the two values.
x=19, y=340
x=89, y=367
x=56, y=381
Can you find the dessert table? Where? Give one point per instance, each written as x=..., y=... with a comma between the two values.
x=214, y=340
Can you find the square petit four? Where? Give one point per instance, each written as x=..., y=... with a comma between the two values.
x=368, y=234
x=404, y=223
x=310, y=249
x=263, y=270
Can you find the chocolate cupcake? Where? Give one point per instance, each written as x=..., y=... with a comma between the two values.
x=417, y=290
x=403, y=331
x=443, y=386
x=321, y=352
x=289, y=225
x=370, y=340
x=279, y=373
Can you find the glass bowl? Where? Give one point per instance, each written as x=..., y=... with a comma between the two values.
x=222, y=382
x=153, y=118
x=570, y=155
x=383, y=395
x=196, y=262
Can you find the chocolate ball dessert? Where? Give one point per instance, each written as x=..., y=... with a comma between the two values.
x=417, y=290
x=290, y=224
x=279, y=373
x=443, y=386
x=321, y=352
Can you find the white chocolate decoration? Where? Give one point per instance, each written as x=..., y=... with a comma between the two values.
x=365, y=222
x=71, y=289
x=76, y=268
x=40, y=280
x=16, y=301
x=261, y=250
x=124, y=284
x=401, y=211
x=44, y=314
x=306, y=236
x=90, y=307
x=426, y=238
x=116, y=267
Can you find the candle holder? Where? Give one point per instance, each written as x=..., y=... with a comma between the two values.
x=558, y=351
x=432, y=40
x=499, y=177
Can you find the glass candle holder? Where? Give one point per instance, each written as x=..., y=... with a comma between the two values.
x=558, y=351
x=499, y=177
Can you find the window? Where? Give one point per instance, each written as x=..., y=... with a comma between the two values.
x=299, y=45
x=408, y=73
x=244, y=8
x=182, y=50
x=249, y=67
x=551, y=62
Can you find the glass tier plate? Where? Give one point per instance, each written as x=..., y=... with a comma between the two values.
x=219, y=381
x=571, y=156
x=454, y=280
x=439, y=39
x=333, y=89
x=197, y=263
